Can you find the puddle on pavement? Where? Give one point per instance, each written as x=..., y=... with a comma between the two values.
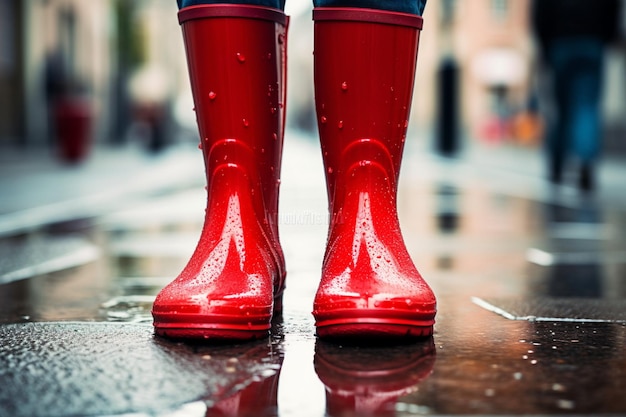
x=128, y=308
x=477, y=363
x=27, y=256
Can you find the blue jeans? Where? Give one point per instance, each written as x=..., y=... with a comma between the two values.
x=405, y=6
x=577, y=78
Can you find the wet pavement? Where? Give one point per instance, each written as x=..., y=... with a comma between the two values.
x=530, y=280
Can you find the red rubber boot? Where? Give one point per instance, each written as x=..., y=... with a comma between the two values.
x=364, y=72
x=233, y=283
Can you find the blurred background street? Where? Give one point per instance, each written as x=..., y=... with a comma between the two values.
x=102, y=201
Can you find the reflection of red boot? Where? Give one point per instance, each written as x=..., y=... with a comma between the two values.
x=258, y=399
x=369, y=381
x=234, y=281
x=244, y=377
x=364, y=71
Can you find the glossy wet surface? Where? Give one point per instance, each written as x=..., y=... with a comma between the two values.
x=530, y=279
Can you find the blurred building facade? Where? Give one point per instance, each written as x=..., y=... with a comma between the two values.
x=127, y=57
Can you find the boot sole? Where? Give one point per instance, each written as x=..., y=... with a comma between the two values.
x=211, y=327
x=215, y=327
x=375, y=325
x=180, y=331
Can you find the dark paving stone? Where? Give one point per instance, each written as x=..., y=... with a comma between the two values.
x=488, y=365
x=71, y=369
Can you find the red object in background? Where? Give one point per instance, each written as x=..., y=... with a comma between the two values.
x=73, y=120
x=364, y=71
x=233, y=283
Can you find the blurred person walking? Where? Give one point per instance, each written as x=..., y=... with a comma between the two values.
x=573, y=36
x=365, y=56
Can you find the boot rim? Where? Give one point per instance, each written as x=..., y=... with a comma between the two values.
x=367, y=15
x=204, y=11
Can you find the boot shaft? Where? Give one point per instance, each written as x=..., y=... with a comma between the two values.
x=364, y=71
x=236, y=57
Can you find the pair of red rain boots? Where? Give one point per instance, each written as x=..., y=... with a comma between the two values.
x=364, y=71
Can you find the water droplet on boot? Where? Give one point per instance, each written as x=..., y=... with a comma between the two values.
x=406, y=123
x=269, y=55
x=274, y=136
x=340, y=124
x=246, y=123
x=200, y=145
x=273, y=110
x=241, y=57
x=323, y=119
x=281, y=38
x=330, y=170
x=212, y=95
x=344, y=86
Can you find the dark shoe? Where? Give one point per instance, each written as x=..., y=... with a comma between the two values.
x=556, y=170
x=585, y=181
